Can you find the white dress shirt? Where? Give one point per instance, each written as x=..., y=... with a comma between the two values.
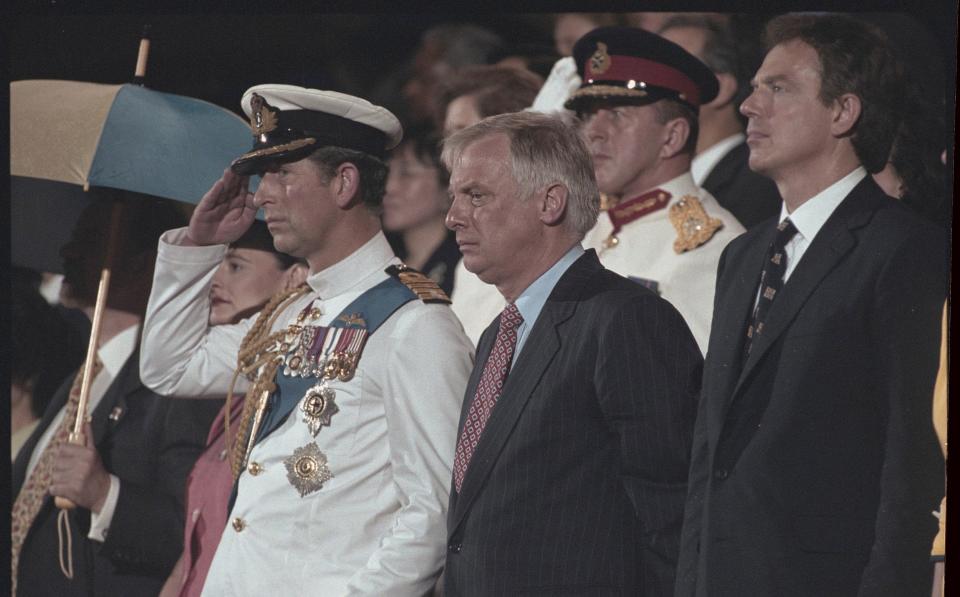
x=810, y=217
x=378, y=526
x=113, y=354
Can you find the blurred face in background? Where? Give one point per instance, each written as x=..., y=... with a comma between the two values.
x=568, y=29
x=461, y=113
x=414, y=194
x=245, y=281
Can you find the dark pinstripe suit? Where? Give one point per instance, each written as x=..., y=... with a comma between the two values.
x=578, y=482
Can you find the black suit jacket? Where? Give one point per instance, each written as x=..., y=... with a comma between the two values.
x=750, y=197
x=151, y=445
x=815, y=466
x=577, y=484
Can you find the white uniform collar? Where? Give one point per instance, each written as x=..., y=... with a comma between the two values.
x=374, y=256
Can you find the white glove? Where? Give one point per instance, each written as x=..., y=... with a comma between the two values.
x=562, y=82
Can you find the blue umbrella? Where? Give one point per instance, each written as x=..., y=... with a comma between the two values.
x=120, y=136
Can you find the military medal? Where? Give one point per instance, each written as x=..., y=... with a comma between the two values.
x=318, y=407
x=307, y=469
x=694, y=227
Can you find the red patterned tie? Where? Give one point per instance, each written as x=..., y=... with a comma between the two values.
x=488, y=390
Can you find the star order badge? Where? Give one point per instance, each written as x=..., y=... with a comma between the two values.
x=318, y=407
x=694, y=227
x=307, y=469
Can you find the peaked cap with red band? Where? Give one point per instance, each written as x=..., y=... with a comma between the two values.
x=628, y=66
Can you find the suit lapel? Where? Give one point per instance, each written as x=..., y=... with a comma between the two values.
x=540, y=348
x=113, y=405
x=832, y=243
x=736, y=298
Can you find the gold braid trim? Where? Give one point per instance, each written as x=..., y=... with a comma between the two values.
x=255, y=353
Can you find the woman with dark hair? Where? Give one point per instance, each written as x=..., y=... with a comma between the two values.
x=415, y=206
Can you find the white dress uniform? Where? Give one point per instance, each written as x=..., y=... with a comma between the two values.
x=378, y=525
x=645, y=250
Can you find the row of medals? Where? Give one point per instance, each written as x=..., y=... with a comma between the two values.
x=326, y=353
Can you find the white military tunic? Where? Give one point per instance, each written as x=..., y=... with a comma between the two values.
x=378, y=526
x=645, y=250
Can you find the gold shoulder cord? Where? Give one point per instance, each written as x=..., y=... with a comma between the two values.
x=255, y=352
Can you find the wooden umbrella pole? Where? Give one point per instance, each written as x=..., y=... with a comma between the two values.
x=140, y=74
x=76, y=434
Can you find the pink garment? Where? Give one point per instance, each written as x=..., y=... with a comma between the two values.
x=207, y=496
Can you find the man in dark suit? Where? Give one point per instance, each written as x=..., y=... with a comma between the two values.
x=815, y=467
x=720, y=164
x=574, y=437
x=127, y=480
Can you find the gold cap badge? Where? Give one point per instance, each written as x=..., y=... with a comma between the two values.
x=263, y=117
x=600, y=61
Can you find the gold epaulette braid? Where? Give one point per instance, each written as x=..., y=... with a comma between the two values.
x=255, y=354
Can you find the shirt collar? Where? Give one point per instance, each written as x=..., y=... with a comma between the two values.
x=531, y=301
x=115, y=351
x=704, y=162
x=373, y=257
x=810, y=217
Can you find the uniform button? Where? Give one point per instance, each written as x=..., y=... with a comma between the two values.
x=195, y=514
x=223, y=454
x=721, y=474
x=255, y=468
x=239, y=524
x=455, y=547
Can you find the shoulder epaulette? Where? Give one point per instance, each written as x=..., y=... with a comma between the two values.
x=694, y=227
x=425, y=288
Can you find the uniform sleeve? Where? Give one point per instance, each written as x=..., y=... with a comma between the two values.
x=181, y=355
x=648, y=380
x=425, y=380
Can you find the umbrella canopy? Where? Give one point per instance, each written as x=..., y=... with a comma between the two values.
x=66, y=136
x=121, y=136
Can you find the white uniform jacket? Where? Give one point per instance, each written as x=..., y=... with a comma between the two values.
x=645, y=250
x=377, y=527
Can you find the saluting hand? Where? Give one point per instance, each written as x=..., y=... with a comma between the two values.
x=78, y=474
x=224, y=213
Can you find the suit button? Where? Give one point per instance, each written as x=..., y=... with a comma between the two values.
x=721, y=474
x=255, y=468
x=239, y=524
x=455, y=547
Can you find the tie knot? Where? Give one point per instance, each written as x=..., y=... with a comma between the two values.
x=785, y=231
x=510, y=317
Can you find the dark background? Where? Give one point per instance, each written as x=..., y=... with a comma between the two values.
x=217, y=55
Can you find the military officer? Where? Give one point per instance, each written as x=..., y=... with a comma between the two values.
x=351, y=384
x=638, y=102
